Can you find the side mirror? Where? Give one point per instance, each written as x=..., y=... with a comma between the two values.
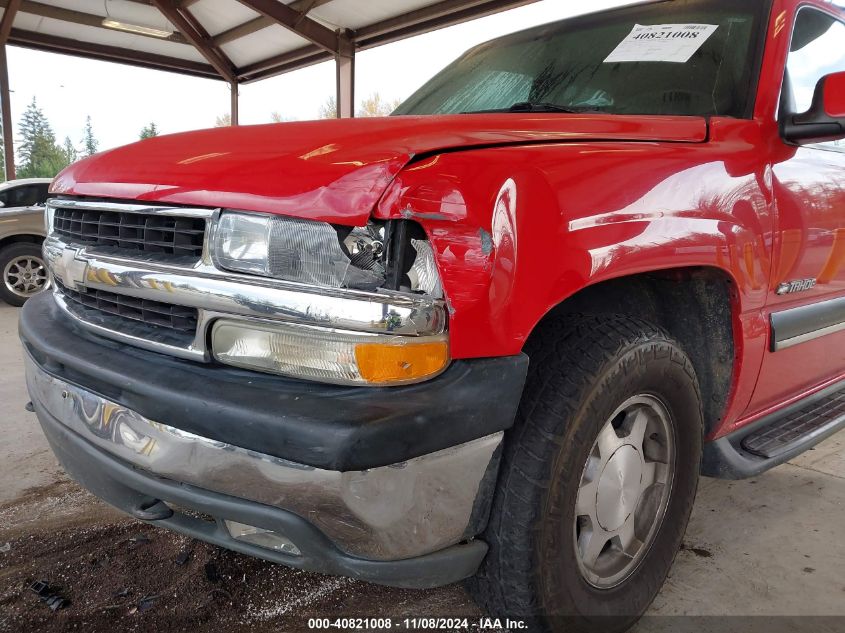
x=825, y=120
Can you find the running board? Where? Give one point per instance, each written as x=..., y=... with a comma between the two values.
x=797, y=427
x=778, y=437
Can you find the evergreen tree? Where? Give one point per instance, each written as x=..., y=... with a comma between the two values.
x=40, y=156
x=70, y=151
x=90, y=144
x=149, y=131
x=34, y=128
x=224, y=120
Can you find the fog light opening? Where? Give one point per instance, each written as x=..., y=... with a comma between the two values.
x=268, y=539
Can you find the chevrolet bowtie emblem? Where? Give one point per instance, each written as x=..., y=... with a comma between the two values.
x=65, y=265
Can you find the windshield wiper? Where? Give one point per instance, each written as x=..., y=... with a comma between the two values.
x=542, y=106
x=536, y=106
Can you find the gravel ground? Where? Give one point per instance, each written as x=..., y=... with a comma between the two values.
x=120, y=574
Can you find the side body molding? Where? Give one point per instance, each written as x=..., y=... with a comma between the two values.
x=805, y=323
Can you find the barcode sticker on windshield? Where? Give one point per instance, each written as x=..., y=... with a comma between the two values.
x=662, y=43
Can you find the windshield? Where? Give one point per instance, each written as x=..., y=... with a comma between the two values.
x=682, y=57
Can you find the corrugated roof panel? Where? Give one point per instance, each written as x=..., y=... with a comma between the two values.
x=354, y=15
x=268, y=42
x=217, y=16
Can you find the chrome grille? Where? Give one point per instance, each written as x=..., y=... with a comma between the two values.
x=153, y=313
x=149, y=233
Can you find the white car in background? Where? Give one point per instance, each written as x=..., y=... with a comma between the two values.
x=22, y=231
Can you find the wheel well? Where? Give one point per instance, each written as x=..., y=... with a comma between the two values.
x=692, y=304
x=25, y=238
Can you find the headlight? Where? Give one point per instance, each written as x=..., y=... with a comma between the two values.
x=347, y=358
x=319, y=254
x=290, y=249
x=390, y=256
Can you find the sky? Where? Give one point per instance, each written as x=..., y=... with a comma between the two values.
x=121, y=100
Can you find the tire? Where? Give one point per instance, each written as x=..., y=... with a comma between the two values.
x=540, y=565
x=16, y=261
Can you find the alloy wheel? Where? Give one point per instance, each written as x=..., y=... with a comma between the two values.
x=624, y=491
x=26, y=276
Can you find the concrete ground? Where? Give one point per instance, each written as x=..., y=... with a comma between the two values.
x=769, y=546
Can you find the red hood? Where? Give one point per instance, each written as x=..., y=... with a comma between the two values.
x=333, y=170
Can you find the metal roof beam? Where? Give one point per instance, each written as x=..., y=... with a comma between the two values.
x=295, y=21
x=12, y=7
x=196, y=35
x=102, y=52
x=242, y=30
x=283, y=63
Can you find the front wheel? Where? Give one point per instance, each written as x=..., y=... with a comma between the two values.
x=24, y=272
x=598, y=477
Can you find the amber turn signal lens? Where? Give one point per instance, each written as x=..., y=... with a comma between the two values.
x=385, y=363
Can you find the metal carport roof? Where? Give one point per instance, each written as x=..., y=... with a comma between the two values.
x=243, y=40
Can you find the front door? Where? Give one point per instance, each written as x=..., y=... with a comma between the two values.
x=806, y=304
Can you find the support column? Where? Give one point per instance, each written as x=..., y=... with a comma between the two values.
x=6, y=108
x=233, y=87
x=12, y=7
x=345, y=66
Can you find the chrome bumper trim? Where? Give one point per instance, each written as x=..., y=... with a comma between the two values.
x=387, y=513
x=88, y=205
x=242, y=294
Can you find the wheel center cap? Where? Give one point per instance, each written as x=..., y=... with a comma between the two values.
x=619, y=488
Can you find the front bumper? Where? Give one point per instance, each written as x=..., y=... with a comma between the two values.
x=226, y=445
x=135, y=491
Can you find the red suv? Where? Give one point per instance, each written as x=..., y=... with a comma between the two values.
x=495, y=337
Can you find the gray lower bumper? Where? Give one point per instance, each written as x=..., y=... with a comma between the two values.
x=402, y=511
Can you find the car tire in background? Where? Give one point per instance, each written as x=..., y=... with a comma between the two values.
x=23, y=272
x=598, y=477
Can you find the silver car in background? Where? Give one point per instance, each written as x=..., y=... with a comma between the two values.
x=22, y=231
